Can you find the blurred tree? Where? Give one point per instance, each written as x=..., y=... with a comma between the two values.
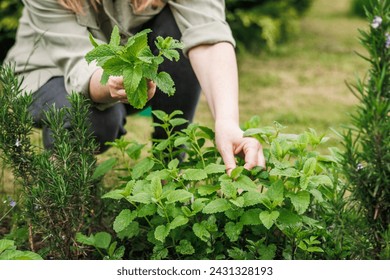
x=10, y=11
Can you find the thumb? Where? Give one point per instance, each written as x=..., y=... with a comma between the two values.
x=228, y=158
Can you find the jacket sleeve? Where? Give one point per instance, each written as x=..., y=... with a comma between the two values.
x=201, y=22
x=64, y=40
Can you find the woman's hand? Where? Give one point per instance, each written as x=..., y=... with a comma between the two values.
x=114, y=89
x=231, y=142
x=117, y=91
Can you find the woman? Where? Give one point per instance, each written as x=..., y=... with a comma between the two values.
x=52, y=41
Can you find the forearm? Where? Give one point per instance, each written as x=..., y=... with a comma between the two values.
x=216, y=68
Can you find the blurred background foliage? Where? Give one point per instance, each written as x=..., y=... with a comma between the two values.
x=257, y=25
x=10, y=11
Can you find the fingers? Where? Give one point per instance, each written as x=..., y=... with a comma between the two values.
x=253, y=153
x=118, y=92
x=151, y=89
x=228, y=158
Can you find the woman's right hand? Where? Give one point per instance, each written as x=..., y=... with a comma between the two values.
x=114, y=89
x=117, y=91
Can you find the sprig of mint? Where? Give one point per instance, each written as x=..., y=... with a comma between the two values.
x=136, y=63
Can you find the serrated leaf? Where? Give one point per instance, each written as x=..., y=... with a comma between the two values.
x=147, y=210
x=142, y=167
x=275, y=192
x=309, y=166
x=268, y=218
x=288, y=219
x=214, y=168
x=102, y=240
x=104, y=167
x=131, y=80
x=239, y=201
x=115, y=37
x=300, y=200
x=201, y=232
x=207, y=190
x=124, y=218
x=194, y=174
x=6, y=244
x=165, y=83
x=86, y=240
x=139, y=97
x=130, y=231
x=179, y=195
x=245, y=183
x=233, y=231
x=216, y=206
x=185, y=247
x=142, y=197
x=100, y=54
x=252, y=198
x=161, y=232
x=320, y=180
x=228, y=189
x=251, y=217
x=289, y=172
x=178, y=221
x=177, y=121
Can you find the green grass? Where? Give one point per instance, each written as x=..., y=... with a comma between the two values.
x=302, y=83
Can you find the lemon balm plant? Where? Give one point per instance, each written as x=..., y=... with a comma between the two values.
x=189, y=208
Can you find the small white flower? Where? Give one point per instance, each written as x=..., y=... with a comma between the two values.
x=359, y=167
x=18, y=143
x=387, y=40
x=376, y=22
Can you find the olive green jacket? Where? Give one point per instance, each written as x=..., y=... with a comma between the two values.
x=52, y=41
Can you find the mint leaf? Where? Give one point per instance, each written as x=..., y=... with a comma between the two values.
x=136, y=63
x=217, y=205
x=268, y=218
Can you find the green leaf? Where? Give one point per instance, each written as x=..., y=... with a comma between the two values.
x=245, y=183
x=139, y=97
x=134, y=151
x=104, y=167
x=268, y=218
x=194, y=174
x=251, y=217
x=233, y=231
x=320, y=180
x=214, y=168
x=102, y=240
x=239, y=201
x=185, y=247
x=124, y=218
x=6, y=244
x=141, y=197
x=178, y=221
x=252, y=198
x=142, y=167
x=114, y=194
x=228, y=189
x=201, y=232
x=288, y=219
x=236, y=172
x=100, y=54
x=161, y=232
x=217, y=205
x=289, y=172
x=131, y=80
x=300, y=200
x=130, y=231
x=309, y=166
x=147, y=210
x=165, y=83
x=275, y=192
x=115, y=37
x=207, y=190
x=86, y=240
x=179, y=195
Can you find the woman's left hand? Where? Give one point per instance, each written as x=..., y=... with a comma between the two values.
x=231, y=142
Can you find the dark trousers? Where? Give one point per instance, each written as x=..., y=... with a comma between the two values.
x=108, y=125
